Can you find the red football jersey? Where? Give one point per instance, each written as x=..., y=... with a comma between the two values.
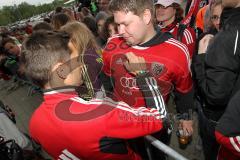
x=168, y=61
x=229, y=147
x=68, y=127
x=188, y=36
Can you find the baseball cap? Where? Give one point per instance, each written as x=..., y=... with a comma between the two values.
x=167, y=3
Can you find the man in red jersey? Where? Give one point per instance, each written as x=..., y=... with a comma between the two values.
x=167, y=58
x=69, y=127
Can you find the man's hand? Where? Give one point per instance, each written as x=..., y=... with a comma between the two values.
x=186, y=126
x=204, y=43
x=134, y=64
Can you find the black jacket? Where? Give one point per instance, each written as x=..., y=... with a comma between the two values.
x=229, y=124
x=217, y=71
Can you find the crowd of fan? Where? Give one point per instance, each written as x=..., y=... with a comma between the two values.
x=93, y=29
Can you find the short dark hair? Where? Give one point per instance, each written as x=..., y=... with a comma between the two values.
x=135, y=6
x=41, y=51
x=59, y=20
x=42, y=26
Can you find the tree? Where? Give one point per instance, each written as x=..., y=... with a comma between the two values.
x=11, y=14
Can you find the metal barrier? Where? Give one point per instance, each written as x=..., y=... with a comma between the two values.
x=164, y=148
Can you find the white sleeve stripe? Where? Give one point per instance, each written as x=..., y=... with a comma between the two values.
x=159, y=97
x=236, y=44
x=238, y=140
x=182, y=46
x=184, y=50
x=70, y=155
x=111, y=104
x=154, y=95
x=99, y=102
x=136, y=112
x=186, y=37
x=190, y=35
x=110, y=101
x=64, y=157
x=164, y=107
x=234, y=144
x=158, y=94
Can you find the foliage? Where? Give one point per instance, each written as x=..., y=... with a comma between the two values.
x=11, y=14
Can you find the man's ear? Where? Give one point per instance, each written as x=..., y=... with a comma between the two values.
x=73, y=49
x=63, y=70
x=147, y=16
x=71, y=46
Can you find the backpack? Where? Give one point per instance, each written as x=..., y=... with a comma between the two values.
x=10, y=150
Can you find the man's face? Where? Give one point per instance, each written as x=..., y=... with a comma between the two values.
x=131, y=27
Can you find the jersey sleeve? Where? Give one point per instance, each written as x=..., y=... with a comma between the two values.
x=183, y=83
x=108, y=52
x=127, y=122
x=231, y=144
x=182, y=78
x=189, y=39
x=106, y=63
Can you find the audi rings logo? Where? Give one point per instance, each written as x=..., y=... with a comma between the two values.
x=128, y=82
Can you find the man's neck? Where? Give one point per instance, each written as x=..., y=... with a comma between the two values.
x=151, y=33
x=51, y=85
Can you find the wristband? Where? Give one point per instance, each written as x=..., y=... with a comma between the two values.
x=141, y=72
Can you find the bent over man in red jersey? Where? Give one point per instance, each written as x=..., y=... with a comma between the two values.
x=69, y=127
